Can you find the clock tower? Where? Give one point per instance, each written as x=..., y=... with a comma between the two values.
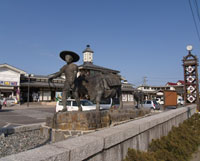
x=191, y=87
x=88, y=55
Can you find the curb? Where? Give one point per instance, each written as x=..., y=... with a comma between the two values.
x=23, y=128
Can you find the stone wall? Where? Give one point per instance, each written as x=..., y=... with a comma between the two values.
x=64, y=125
x=92, y=120
x=109, y=144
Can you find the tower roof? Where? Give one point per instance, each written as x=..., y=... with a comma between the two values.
x=88, y=49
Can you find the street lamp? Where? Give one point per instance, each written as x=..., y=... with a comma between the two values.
x=28, y=75
x=189, y=48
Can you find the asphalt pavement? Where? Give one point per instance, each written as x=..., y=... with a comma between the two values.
x=22, y=115
x=19, y=115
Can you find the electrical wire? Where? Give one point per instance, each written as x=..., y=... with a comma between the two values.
x=195, y=23
x=197, y=8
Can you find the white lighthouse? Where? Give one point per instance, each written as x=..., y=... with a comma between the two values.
x=88, y=55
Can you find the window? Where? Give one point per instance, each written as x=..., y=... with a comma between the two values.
x=74, y=103
x=148, y=102
x=155, y=102
x=68, y=103
x=92, y=72
x=86, y=103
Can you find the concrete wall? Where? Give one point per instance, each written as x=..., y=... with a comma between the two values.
x=109, y=144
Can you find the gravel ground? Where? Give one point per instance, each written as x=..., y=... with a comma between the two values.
x=19, y=142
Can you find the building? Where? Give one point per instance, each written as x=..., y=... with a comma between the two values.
x=16, y=83
x=153, y=92
x=128, y=92
x=10, y=81
x=157, y=92
x=38, y=88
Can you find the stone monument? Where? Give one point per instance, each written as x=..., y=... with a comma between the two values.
x=102, y=85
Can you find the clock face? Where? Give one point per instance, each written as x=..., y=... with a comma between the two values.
x=88, y=57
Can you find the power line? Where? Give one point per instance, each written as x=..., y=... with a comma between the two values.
x=197, y=8
x=163, y=78
x=194, y=20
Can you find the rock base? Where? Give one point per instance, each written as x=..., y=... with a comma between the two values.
x=65, y=125
x=91, y=120
x=85, y=120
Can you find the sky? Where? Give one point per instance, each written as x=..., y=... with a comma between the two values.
x=140, y=38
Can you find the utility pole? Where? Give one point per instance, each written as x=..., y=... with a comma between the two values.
x=144, y=81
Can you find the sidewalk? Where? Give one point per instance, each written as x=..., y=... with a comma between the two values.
x=31, y=105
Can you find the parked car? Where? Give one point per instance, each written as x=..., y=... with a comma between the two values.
x=2, y=100
x=72, y=105
x=107, y=103
x=151, y=104
x=10, y=101
x=115, y=103
x=180, y=101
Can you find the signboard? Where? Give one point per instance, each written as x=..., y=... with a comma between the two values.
x=1, y=87
x=58, y=96
x=8, y=83
x=170, y=98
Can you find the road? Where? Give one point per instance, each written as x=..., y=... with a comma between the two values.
x=22, y=115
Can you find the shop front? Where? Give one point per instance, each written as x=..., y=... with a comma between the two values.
x=10, y=81
x=38, y=89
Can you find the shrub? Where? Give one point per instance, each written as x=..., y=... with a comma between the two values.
x=135, y=155
x=179, y=144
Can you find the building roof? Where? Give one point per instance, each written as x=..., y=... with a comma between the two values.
x=127, y=87
x=12, y=68
x=88, y=65
x=171, y=84
x=151, y=86
x=181, y=81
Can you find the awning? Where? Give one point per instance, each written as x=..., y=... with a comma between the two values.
x=42, y=84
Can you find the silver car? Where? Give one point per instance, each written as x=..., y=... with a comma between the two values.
x=2, y=100
x=151, y=104
x=10, y=101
